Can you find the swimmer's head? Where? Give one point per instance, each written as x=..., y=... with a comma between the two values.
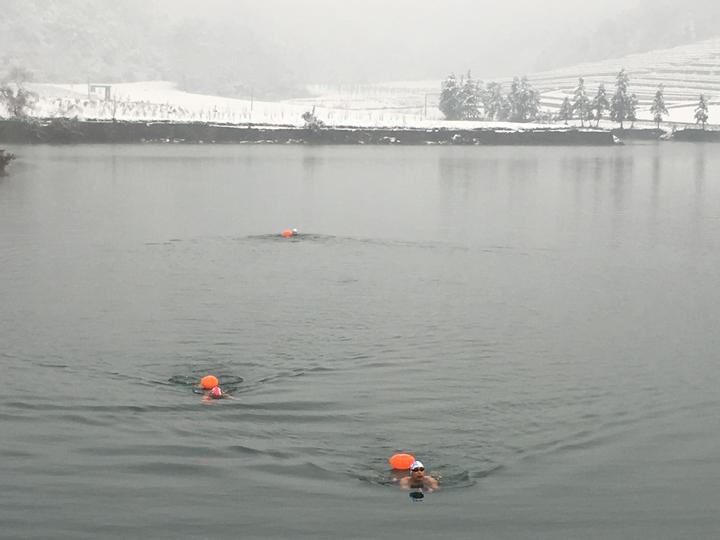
x=295, y=232
x=417, y=466
x=216, y=393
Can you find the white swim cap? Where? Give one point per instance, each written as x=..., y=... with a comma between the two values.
x=295, y=231
x=416, y=464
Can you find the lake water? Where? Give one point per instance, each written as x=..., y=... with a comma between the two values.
x=539, y=325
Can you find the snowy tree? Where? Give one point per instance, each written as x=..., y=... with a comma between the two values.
x=566, y=110
x=495, y=104
x=515, y=100
x=461, y=100
x=701, y=111
x=620, y=100
x=18, y=102
x=632, y=109
x=524, y=101
x=599, y=104
x=470, y=98
x=581, y=103
x=450, y=100
x=658, y=108
x=532, y=101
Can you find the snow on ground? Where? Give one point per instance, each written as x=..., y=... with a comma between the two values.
x=162, y=101
x=685, y=73
x=157, y=100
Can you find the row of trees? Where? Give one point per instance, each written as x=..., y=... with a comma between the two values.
x=17, y=102
x=468, y=99
x=658, y=108
x=622, y=106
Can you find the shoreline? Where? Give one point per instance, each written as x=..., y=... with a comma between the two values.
x=66, y=131
x=71, y=131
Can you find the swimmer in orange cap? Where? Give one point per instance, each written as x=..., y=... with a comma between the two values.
x=418, y=479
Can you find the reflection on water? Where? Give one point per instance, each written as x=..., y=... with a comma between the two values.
x=538, y=324
x=621, y=176
x=699, y=176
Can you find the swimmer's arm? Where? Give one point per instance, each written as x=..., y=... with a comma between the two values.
x=405, y=483
x=431, y=483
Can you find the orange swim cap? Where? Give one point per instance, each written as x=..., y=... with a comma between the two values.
x=208, y=382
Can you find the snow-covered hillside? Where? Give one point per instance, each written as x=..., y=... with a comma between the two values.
x=685, y=72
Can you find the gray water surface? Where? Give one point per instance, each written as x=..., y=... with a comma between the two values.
x=538, y=325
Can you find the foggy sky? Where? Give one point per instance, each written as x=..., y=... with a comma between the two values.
x=408, y=39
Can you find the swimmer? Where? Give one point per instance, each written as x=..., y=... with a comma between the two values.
x=215, y=393
x=418, y=480
x=287, y=233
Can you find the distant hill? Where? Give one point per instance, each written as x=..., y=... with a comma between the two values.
x=653, y=24
x=133, y=40
x=685, y=72
x=62, y=40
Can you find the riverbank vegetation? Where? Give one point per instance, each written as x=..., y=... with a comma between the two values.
x=5, y=159
x=17, y=100
x=469, y=99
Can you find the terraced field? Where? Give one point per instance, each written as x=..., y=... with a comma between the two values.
x=685, y=72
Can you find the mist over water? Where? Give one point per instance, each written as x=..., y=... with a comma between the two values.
x=538, y=325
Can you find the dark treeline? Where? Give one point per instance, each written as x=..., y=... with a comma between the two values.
x=469, y=99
